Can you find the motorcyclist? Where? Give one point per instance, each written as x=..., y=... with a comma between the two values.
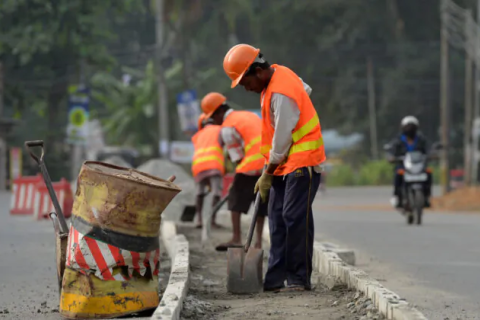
x=410, y=139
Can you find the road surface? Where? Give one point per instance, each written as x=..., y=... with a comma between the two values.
x=435, y=266
x=28, y=285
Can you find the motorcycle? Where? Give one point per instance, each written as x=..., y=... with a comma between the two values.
x=415, y=176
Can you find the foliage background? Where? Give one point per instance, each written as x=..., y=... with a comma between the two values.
x=46, y=45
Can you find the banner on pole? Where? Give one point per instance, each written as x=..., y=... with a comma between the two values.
x=78, y=115
x=188, y=109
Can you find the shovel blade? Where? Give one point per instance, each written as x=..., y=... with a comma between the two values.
x=188, y=213
x=61, y=243
x=245, y=270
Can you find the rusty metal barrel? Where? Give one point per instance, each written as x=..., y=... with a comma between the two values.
x=113, y=252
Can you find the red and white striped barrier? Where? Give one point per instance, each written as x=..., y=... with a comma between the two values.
x=21, y=201
x=88, y=255
x=43, y=205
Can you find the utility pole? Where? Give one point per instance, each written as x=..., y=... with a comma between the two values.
x=476, y=110
x=468, y=109
x=163, y=117
x=372, y=109
x=77, y=148
x=444, y=106
x=3, y=142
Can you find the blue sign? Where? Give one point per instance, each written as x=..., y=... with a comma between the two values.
x=78, y=115
x=188, y=109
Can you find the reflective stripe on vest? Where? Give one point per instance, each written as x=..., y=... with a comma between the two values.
x=249, y=126
x=307, y=148
x=299, y=134
x=252, y=143
x=249, y=159
x=208, y=153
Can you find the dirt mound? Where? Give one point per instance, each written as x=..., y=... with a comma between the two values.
x=463, y=199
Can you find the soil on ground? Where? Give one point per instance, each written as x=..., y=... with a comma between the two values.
x=463, y=199
x=209, y=299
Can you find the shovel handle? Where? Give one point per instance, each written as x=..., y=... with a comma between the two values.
x=32, y=144
x=48, y=181
x=254, y=222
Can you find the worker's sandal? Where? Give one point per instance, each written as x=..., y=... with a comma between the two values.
x=293, y=288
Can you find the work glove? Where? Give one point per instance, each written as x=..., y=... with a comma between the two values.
x=263, y=185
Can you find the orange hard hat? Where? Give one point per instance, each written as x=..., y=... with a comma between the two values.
x=211, y=102
x=200, y=121
x=237, y=61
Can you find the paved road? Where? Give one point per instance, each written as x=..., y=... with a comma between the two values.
x=27, y=270
x=435, y=266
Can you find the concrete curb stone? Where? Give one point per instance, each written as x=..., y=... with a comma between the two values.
x=178, y=249
x=328, y=262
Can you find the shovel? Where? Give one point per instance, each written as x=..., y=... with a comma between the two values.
x=59, y=223
x=244, y=264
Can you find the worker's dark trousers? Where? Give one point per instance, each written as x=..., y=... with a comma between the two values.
x=291, y=229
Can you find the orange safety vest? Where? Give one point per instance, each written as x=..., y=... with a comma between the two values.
x=208, y=153
x=249, y=126
x=307, y=148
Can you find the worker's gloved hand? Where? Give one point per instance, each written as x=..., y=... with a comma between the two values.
x=263, y=185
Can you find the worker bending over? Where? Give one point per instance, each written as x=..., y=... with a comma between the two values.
x=207, y=166
x=241, y=134
x=292, y=145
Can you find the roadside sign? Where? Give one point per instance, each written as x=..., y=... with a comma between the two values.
x=78, y=115
x=181, y=151
x=15, y=164
x=188, y=109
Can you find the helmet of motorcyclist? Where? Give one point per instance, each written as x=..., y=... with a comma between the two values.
x=410, y=126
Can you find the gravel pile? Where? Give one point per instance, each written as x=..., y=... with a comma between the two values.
x=164, y=169
x=117, y=161
x=194, y=308
x=363, y=308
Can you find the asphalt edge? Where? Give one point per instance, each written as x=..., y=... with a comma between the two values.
x=328, y=262
x=177, y=288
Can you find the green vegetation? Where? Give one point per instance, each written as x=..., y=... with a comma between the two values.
x=47, y=45
x=374, y=173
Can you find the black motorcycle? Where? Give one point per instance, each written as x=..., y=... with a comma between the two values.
x=414, y=173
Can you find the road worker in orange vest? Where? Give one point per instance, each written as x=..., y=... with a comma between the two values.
x=241, y=135
x=292, y=145
x=207, y=165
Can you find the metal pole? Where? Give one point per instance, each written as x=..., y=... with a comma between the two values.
x=444, y=106
x=468, y=108
x=163, y=116
x=3, y=143
x=476, y=110
x=77, y=149
x=372, y=109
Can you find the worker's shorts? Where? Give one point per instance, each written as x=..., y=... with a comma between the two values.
x=241, y=195
x=216, y=186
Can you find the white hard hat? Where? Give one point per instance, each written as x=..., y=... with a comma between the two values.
x=409, y=120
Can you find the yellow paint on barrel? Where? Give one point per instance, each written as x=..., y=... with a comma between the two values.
x=87, y=297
